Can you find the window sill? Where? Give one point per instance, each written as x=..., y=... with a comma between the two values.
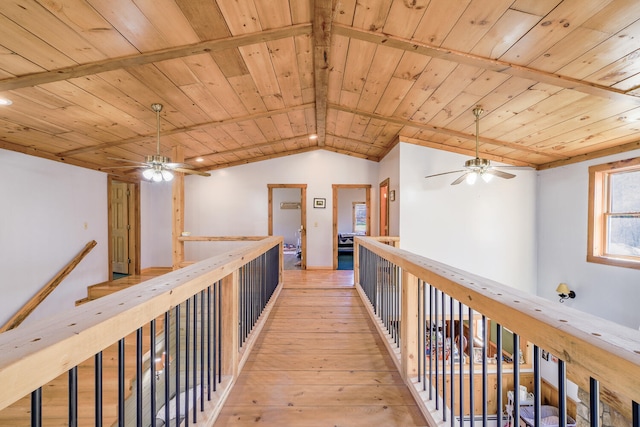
x=613, y=261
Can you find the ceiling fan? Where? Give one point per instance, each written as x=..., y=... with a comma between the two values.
x=158, y=167
x=477, y=167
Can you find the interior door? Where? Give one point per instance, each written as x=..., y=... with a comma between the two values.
x=384, y=207
x=296, y=218
x=120, y=227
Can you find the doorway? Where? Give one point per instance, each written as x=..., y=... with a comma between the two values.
x=351, y=217
x=384, y=207
x=288, y=218
x=124, y=227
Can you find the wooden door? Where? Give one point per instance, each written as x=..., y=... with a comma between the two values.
x=120, y=227
x=384, y=207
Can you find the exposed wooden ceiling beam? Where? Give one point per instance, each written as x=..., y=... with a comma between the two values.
x=465, y=151
x=45, y=155
x=445, y=131
x=265, y=157
x=199, y=126
x=250, y=147
x=488, y=64
x=150, y=57
x=322, y=42
x=351, y=153
x=593, y=155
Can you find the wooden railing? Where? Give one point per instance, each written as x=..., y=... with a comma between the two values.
x=46, y=290
x=210, y=314
x=422, y=307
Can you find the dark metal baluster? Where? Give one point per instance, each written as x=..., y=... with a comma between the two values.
x=139, y=377
x=537, y=385
x=178, y=364
x=452, y=381
x=594, y=402
x=461, y=340
x=443, y=300
x=187, y=364
x=214, y=339
x=121, y=384
x=499, y=387
x=635, y=409
x=432, y=349
x=220, y=294
x=152, y=377
x=516, y=379
x=167, y=362
x=421, y=329
x=562, y=393
x=210, y=337
x=435, y=352
x=98, y=389
x=73, y=396
x=195, y=358
x=36, y=407
x=202, y=364
x=485, y=386
x=471, y=370
x=423, y=348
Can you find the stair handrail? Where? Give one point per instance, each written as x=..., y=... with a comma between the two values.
x=46, y=290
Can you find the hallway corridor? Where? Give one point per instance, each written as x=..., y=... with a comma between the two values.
x=319, y=362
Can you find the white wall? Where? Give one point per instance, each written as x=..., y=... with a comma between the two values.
x=346, y=198
x=156, y=200
x=488, y=228
x=50, y=212
x=234, y=201
x=605, y=291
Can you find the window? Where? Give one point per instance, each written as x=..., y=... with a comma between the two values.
x=359, y=217
x=614, y=213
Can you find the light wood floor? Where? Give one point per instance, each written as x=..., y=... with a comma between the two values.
x=319, y=362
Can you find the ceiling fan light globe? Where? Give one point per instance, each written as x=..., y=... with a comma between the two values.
x=471, y=178
x=157, y=176
x=167, y=175
x=487, y=177
x=147, y=174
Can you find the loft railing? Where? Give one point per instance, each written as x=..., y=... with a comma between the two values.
x=464, y=344
x=183, y=337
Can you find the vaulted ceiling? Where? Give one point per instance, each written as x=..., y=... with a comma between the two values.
x=244, y=81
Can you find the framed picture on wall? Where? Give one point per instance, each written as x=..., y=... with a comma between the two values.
x=319, y=203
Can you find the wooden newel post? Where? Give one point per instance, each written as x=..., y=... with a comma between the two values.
x=177, y=215
x=230, y=323
x=409, y=326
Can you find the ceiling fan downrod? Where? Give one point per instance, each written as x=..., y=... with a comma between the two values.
x=477, y=163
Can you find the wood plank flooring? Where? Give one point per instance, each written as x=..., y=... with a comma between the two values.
x=319, y=362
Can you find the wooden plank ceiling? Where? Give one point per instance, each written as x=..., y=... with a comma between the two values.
x=244, y=81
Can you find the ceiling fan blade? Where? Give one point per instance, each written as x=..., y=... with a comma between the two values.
x=128, y=161
x=461, y=178
x=191, y=171
x=499, y=173
x=121, y=167
x=177, y=165
x=445, y=173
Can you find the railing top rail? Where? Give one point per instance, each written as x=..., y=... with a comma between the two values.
x=36, y=353
x=590, y=346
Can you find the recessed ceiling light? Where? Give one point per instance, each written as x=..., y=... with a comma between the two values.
x=199, y=159
x=5, y=101
x=313, y=137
